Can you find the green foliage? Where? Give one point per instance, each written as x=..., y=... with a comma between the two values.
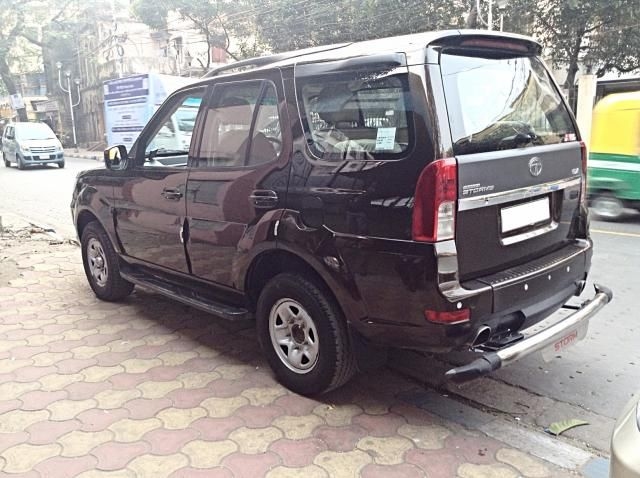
x=601, y=34
x=291, y=24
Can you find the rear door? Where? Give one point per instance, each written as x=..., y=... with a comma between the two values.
x=519, y=159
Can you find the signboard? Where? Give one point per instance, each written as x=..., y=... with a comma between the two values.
x=130, y=102
x=17, y=103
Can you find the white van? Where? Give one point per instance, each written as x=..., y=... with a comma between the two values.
x=31, y=144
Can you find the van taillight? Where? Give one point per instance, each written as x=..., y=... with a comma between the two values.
x=434, y=206
x=583, y=185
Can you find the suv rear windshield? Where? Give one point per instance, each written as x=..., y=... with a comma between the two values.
x=502, y=103
x=356, y=115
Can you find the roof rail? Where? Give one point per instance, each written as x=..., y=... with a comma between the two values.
x=259, y=61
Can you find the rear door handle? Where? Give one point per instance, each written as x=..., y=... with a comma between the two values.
x=172, y=194
x=264, y=198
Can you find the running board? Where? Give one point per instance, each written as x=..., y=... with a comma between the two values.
x=187, y=297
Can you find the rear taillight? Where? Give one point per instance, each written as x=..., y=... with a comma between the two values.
x=583, y=185
x=434, y=207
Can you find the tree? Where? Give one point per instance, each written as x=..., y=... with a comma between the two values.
x=219, y=21
x=291, y=24
x=603, y=35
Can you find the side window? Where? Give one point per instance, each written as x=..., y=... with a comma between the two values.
x=241, y=126
x=169, y=144
x=356, y=116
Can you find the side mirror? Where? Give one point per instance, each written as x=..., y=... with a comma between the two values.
x=114, y=156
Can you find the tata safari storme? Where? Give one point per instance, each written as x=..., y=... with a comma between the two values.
x=424, y=191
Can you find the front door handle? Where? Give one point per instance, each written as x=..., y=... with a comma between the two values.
x=264, y=198
x=172, y=194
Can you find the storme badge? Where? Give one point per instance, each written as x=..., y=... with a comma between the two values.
x=535, y=166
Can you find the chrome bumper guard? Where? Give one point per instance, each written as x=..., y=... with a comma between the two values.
x=491, y=361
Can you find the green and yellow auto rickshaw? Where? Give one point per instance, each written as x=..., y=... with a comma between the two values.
x=614, y=159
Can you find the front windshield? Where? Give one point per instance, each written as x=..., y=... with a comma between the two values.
x=34, y=131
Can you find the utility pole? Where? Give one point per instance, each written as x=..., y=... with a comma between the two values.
x=72, y=105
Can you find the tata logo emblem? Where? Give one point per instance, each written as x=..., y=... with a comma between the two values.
x=535, y=166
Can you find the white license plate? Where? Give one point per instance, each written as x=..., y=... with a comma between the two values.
x=516, y=217
x=569, y=339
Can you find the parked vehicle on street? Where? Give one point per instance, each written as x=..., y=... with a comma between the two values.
x=424, y=191
x=614, y=158
x=625, y=442
x=31, y=144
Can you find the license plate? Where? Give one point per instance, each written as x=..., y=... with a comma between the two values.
x=569, y=339
x=516, y=217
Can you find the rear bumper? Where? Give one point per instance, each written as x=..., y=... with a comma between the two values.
x=533, y=342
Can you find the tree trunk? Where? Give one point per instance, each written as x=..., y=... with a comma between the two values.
x=570, y=81
x=10, y=85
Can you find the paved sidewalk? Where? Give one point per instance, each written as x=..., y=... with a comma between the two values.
x=151, y=388
x=83, y=153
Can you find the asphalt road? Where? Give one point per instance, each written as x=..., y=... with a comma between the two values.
x=598, y=375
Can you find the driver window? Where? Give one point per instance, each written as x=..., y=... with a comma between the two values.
x=241, y=126
x=169, y=144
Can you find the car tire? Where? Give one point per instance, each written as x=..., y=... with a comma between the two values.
x=607, y=207
x=61, y=164
x=101, y=265
x=7, y=163
x=303, y=334
x=19, y=163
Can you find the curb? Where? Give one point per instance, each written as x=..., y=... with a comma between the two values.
x=91, y=156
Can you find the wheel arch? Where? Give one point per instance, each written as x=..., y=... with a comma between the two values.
x=270, y=263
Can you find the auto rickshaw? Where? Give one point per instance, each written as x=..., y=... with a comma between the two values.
x=614, y=159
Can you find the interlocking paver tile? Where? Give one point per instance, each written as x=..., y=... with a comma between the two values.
x=9, y=405
x=298, y=453
x=379, y=425
x=12, y=390
x=259, y=416
x=114, y=456
x=11, y=365
x=190, y=472
x=429, y=437
x=255, y=440
x=50, y=358
x=79, y=443
x=11, y=439
x=62, y=467
x=397, y=471
x=233, y=372
x=340, y=438
x=177, y=418
x=152, y=389
x=526, y=465
x=298, y=428
x=258, y=396
x=25, y=352
x=110, y=399
x=17, y=420
x=208, y=454
x=469, y=470
x=68, y=409
x=86, y=352
x=385, y=450
x=124, y=345
x=96, y=419
x=38, y=399
x=127, y=430
x=311, y=471
x=171, y=358
x=45, y=432
x=297, y=405
x=22, y=458
x=346, y=464
x=188, y=398
x=167, y=442
x=31, y=374
x=140, y=365
x=107, y=474
x=477, y=449
x=241, y=464
x=100, y=374
x=337, y=415
x=142, y=408
x=223, y=407
x=75, y=365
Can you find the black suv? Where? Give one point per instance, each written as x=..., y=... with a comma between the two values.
x=424, y=191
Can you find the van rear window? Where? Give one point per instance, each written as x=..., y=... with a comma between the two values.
x=502, y=103
x=356, y=115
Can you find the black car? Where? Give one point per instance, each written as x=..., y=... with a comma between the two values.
x=424, y=191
